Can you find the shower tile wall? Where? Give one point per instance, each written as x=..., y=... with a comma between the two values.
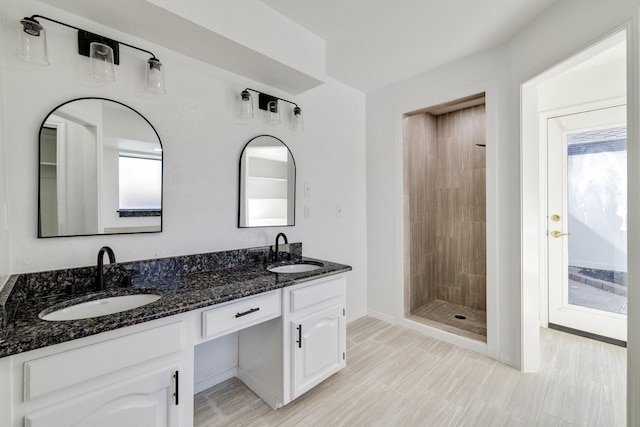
x=419, y=150
x=445, y=191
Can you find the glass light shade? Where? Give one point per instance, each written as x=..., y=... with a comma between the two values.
x=273, y=113
x=298, y=120
x=101, y=62
x=246, y=105
x=154, y=77
x=32, y=42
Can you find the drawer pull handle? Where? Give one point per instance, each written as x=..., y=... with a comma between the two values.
x=299, y=336
x=253, y=310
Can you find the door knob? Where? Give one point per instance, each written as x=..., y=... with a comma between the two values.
x=557, y=234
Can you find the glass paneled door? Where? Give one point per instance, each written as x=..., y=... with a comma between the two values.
x=587, y=221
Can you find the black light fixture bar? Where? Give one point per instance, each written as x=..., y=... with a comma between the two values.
x=264, y=99
x=85, y=38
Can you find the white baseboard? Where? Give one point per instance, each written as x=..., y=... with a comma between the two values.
x=355, y=316
x=209, y=381
x=382, y=316
x=271, y=400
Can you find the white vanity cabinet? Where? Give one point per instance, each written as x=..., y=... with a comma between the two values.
x=282, y=359
x=147, y=400
x=136, y=376
x=288, y=341
x=316, y=322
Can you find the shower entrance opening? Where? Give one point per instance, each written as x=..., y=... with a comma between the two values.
x=445, y=216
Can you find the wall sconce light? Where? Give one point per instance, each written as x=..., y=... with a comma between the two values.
x=270, y=105
x=103, y=52
x=101, y=61
x=273, y=114
x=246, y=105
x=32, y=46
x=298, y=120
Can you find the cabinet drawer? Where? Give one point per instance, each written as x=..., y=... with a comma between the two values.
x=52, y=373
x=240, y=314
x=317, y=293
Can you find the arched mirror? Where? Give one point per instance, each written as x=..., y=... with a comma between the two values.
x=100, y=171
x=267, y=184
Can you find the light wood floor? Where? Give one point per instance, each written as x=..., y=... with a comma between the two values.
x=399, y=377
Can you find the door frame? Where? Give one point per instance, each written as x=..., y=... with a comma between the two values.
x=544, y=249
x=533, y=201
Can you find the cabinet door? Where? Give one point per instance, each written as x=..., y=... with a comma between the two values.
x=147, y=401
x=318, y=348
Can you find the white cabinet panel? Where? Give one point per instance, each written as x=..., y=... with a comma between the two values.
x=52, y=373
x=320, y=291
x=318, y=348
x=147, y=401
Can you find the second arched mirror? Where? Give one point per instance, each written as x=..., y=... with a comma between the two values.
x=267, y=184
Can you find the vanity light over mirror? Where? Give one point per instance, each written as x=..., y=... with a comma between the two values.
x=267, y=184
x=100, y=171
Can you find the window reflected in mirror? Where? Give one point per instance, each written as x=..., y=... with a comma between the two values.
x=267, y=184
x=140, y=181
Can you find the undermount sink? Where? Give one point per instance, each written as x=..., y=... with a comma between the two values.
x=301, y=267
x=99, y=307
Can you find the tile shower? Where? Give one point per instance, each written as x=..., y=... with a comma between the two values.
x=445, y=218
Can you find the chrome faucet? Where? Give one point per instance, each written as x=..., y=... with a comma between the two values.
x=286, y=242
x=99, y=274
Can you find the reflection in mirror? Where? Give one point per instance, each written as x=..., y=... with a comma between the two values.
x=267, y=184
x=100, y=171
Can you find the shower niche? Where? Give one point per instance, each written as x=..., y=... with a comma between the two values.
x=445, y=216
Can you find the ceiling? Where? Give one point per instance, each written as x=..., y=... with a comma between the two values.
x=373, y=43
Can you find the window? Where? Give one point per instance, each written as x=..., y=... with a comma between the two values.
x=597, y=217
x=140, y=186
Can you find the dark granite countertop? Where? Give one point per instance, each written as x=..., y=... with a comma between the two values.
x=185, y=285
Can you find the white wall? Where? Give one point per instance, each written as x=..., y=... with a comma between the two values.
x=606, y=81
x=5, y=255
x=202, y=143
x=565, y=29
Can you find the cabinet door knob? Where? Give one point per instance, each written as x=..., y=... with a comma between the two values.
x=299, y=341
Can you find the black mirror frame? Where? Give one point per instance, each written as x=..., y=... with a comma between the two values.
x=39, y=229
x=240, y=183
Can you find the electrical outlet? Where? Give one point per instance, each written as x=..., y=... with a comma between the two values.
x=307, y=188
x=307, y=211
x=338, y=211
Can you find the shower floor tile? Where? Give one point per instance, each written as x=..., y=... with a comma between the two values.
x=442, y=315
